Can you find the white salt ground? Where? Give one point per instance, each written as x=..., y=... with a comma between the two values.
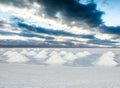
x=35, y=76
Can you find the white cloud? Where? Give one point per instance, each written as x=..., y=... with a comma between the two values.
x=107, y=59
x=15, y=57
x=104, y=36
x=15, y=37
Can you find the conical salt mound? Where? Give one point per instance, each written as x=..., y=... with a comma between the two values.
x=55, y=59
x=106, y=59
x=16, y=57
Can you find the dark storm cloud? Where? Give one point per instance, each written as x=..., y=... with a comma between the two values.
x=46, y=44
x=21, y=24
x=71, y=10
x=25, y=34
x=52, y=32
x=19, y=43
x=65, y=44
x=1, y=23
x=111, y=29
x=102, y=42
x=6, y=33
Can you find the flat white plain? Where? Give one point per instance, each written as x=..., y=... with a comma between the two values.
x=35, y=76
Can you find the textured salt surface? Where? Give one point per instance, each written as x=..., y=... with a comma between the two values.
x=35, y=76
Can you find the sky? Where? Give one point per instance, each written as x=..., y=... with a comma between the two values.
x=60, y=23
x=111, y=9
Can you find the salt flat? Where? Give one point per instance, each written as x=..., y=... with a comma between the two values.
x=36, y=76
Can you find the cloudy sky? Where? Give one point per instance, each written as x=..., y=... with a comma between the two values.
x=60, y=23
